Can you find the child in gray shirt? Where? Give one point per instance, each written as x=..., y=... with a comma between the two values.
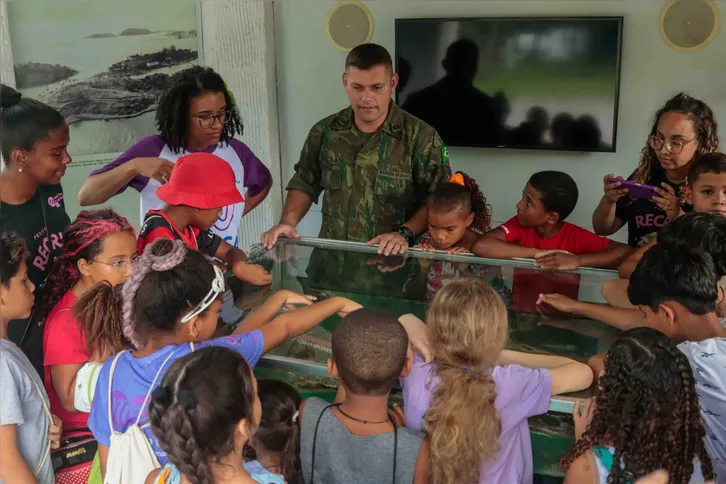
x=25, y=419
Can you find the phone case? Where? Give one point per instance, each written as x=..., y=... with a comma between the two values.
x=636, y=190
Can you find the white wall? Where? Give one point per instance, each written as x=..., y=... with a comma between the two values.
x=309, y=88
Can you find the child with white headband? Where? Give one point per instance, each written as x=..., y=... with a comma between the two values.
x=170, y=307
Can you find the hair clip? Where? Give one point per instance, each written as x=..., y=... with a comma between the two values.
x=295, y=417
x=457, y=178
x=161, y=395
x=186, y=399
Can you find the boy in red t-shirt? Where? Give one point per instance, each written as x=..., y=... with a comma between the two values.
x=539, y=230
x=200, y=186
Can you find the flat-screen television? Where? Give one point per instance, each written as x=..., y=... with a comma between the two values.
x=531, y=83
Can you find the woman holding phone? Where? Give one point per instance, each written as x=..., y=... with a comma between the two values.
x=683, y=129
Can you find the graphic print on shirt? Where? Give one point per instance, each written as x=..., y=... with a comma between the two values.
x=45, y=248
x=227, y=226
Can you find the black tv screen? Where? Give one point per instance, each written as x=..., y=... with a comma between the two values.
x=531, y=83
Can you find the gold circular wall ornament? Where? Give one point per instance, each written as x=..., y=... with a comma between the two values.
x=689, y=25
x=349, y=23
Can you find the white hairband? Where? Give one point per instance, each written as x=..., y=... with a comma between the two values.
x=216, y=290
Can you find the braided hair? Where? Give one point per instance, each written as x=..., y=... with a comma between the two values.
x=462, y=192
x=172, y=114
x=195, y=411
x=647, y=409
x=83, y=239
x=704, y=123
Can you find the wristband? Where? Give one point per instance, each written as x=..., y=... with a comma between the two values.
x=407, y=234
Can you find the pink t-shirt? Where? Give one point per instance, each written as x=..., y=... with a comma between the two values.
x=63, y=344
x=521, y=393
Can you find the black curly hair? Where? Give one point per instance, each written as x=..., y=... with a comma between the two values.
x=450, y=196
x=172, y=114
x=647, y=409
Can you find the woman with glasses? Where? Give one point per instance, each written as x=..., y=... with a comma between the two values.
x=100, y=247
x=683, y=129
x=196, y=113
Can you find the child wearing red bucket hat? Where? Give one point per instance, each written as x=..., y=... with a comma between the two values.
x=200, y=186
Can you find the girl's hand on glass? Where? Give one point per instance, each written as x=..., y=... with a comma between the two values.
x=457, y=250
x=293, y=299
x=425, y=246
x=582, y=414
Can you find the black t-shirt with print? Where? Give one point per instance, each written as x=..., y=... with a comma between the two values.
x=644, y=217
x=44, y=214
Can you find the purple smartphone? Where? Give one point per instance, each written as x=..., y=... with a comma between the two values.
x=636, y=190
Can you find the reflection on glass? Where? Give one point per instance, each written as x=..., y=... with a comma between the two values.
x=402, y=285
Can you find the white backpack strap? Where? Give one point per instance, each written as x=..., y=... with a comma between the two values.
x=110, y=387
x=191, y=345
x=153, y=385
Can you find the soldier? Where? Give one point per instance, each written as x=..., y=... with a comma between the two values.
x=375, y=162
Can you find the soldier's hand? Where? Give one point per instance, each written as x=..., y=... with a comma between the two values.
x=269, y=238
x=391, y=243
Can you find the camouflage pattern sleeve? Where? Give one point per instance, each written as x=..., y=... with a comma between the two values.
x=431, y=166
x=307, y=171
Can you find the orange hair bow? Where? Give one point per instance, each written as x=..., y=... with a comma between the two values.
x=457, y=178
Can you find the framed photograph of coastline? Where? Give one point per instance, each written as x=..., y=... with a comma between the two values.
x=102, y=63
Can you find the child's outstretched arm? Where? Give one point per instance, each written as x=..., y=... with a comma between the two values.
x=619, y=318
x=13, y=468
x=272, y=308
x=629, y=264
x=296, y=322
x=567, y=375
x=608, y=258
x=237, y=261
x=494, y=244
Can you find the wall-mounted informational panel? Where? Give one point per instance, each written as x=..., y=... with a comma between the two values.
x=103, y=64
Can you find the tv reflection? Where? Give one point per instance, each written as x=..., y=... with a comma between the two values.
x=466, y=116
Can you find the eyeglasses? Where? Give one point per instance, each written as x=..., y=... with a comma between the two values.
x=209, y=120
x=123, y=266
x=216, y=289
x=675, y=146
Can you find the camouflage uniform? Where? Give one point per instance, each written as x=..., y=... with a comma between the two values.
x=373, y=184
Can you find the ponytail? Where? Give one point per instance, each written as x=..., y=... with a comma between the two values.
x=463, y=424
x=468, y=324
x=462, y=192
x=98, y=313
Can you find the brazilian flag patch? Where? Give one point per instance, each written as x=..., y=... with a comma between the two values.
x=444, y=154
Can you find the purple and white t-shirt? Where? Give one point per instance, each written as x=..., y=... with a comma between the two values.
x=708, y=361
x=251, y=177
x=132, y=379
x=521, y=393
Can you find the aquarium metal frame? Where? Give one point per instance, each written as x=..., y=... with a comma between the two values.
x=558, y=403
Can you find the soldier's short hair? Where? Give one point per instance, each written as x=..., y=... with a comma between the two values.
x=369, y=348
x=558, y=191
x=368, y=56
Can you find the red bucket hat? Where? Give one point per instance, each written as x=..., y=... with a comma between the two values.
x=200, y=180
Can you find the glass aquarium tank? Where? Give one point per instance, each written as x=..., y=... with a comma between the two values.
x=407, y=284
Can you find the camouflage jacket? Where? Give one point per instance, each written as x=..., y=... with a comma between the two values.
x=372, y=185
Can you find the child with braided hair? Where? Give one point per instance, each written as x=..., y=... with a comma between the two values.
x=204, y=422
x=643, y=417
x=100, y=246
x=170, y=308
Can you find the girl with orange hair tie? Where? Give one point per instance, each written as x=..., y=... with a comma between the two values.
x=458, y=216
